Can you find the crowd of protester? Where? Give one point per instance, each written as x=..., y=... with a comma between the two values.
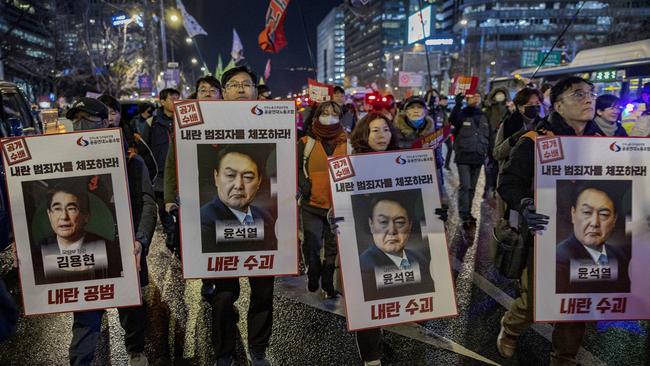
x=488, y=133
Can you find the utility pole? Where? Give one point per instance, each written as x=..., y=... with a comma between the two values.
x=163, y=37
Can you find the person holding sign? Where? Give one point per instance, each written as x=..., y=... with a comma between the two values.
x=594, y=217
x=326, y=139
x=573, y=101
x=67, y=214
x=239, y=84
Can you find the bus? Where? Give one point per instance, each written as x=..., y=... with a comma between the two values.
x=621, y=70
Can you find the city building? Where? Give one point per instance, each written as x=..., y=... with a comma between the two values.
x=370, y=40
x=26, y=46
x=331, y=48
x=500, y=37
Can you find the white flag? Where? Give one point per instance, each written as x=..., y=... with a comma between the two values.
x=192, y=27
x=237, y=52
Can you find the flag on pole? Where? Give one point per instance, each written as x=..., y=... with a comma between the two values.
x=219, y=71
x=237, y=52
x=272, y=38
x=230, y=65
x=192, y=27
x=267, y=69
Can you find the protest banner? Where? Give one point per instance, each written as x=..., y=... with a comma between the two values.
x=236, y=172
x=464, y=85
x=319, y=92
x=433, y=140
x=392, y=247
x=591, y=261
x=72, y=221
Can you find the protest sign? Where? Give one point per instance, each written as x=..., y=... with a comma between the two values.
x=319, y=92
x=464, y=85
x=591, y=261
x=433, y=140
x=392, y=247
x=72, y=221
x=236, y=172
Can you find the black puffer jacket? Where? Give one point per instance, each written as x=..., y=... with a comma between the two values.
x=473, y=135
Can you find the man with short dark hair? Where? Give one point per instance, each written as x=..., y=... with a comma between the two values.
x=89, y=114
x=573, y=102
x=391, y=225
x=594, y=216
x=161, y=135
x=208, y=87
x=263, y=92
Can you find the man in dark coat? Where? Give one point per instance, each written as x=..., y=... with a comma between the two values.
x=594, y=217
x=237, y=177
x=388, y=269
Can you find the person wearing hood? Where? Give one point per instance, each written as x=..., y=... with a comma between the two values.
x=324, y=140
x=473, y=139
x=496, y=109
x=89, y=114
x=608, y=114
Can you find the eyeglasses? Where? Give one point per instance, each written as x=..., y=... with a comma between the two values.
x=580, y=95
x=235, y=85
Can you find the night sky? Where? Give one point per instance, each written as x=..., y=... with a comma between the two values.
x=219, y=17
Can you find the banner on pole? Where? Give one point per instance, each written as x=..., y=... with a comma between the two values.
x=591, y=262
x=238, y=195
x=392, y=247
x=72, y=221
x=465, y=85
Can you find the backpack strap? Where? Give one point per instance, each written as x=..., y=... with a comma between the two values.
x=309, y=146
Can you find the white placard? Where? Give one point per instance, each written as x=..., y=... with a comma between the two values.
x=392, y=247
x=72, y=221
x=595, y=189
x=236, y=167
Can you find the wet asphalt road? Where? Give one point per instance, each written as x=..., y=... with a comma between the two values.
x=179, y=322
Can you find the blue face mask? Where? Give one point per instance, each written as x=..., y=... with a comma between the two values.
x=417, y=122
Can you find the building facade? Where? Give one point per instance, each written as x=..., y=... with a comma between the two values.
x=331, y=48
x=502, y=36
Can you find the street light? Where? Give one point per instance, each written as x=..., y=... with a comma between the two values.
x=139, y=60
x=202, y=68
x=194, y=61
x=173, y=18
x=188, y=40
x=370, y=64
x=493, y=63
x=463, y=22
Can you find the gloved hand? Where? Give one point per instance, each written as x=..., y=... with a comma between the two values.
x=535, y=221
x=442, y=212
x=459, y=98
x=333, y=221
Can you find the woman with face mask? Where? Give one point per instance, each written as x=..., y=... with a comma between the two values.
x=608, y=114
x=326, y=138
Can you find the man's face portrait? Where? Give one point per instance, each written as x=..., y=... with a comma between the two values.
x=66, y=217
x=240, y=87
x=577, y=103
x=237, y=180
x=207, y=91
x=390, y=227
x=593, y=218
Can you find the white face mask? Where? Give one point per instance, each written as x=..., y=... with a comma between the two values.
x=499, y=98
x=328, y=120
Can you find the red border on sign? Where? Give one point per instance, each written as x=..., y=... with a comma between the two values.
x=130, y=220
x=180, y=222
x=539, y=140
x=5, y=141
x=347, y=158
x=198, y=110
x=446, y=240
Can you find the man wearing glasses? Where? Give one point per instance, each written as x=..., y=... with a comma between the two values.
x=574, y=103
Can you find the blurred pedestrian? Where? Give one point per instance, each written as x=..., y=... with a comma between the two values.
x=263, y=92
x=497, y=108
x=325, y=139
x=141, y=127
x=608, y=115
x=472, y=144
x=115, y=120
x=89, y=114
x=161, y=135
